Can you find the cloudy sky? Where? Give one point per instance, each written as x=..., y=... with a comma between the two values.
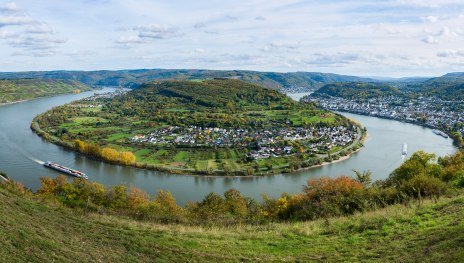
x=369, y=38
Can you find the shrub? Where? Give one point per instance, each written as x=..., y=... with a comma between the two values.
x=137, y=199
x=116, y=198
x=328, y=197
x=423, y=186
x=236, y=204
x=165, y=208
x=459, y=181
x=453, y=166
x=211, y=209
x=420, y=163
x=14, y=187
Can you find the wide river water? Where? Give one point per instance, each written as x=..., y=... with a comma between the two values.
x=21, y=152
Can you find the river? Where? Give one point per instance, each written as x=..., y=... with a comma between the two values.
x=21, y=149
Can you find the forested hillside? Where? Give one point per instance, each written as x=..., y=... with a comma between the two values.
x=24, y=89
x=134, y=78
x=356, y=90
x=447, y=87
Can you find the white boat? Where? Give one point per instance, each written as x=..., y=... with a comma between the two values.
x=442, y=134
x=65, y=170
x=405, y=149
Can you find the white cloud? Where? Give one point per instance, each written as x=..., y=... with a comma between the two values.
x=16, y=21
x=451, y=53
x=157, y=31
x=430, y=40
x=7, y=34
x=352, y=37
x=27, y=35
x=144, y=34
x=9, y=8
x=429, y=3
x=431, y=19
x=129, y=40
x=39, y=29
x=337, y=58
x=445, y=31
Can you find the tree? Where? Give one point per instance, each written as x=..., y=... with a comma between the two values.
x=137, y=198
x=80, y=146
x=363, y=177
x=236, y=203
x=117, y=197
x=167, y=208
x=127, y=158
x=110, y=154
x=420, y=163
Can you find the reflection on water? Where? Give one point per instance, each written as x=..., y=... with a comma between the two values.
x=19, y=148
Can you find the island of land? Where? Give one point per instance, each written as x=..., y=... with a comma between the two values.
x=208, y=127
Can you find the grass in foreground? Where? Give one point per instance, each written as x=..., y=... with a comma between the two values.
x=36, y=232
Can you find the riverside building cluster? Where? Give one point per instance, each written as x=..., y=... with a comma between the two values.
x=263, y=143
x=428, y=111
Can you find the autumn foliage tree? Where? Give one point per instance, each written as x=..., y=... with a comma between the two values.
x=107, y=153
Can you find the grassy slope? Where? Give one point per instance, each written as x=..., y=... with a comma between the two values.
x=34, y=232
x=24, y=89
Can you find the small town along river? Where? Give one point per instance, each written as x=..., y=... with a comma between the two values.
x=21, y=152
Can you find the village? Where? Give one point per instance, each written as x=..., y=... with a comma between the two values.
x=262, y=143
x=106, y=95
x=428, y=111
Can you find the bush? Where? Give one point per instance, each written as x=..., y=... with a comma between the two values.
x=459, y=181
x=328, y=197
x=453, y=166
x=420, y=163
x=423, y=186
x=166, y=209
x=14, y=187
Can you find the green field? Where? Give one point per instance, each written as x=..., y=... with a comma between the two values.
x=32, y=231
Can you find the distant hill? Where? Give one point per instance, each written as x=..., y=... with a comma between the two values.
x=210, y=93
x=449, y=86
x=294, y=81
x=23, y=89
x=356, y=90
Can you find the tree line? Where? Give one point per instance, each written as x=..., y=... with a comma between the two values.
x=107, y=153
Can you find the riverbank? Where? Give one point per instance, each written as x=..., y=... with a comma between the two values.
x=318, y=161
x=13, y=102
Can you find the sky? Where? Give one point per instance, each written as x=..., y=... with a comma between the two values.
x=395, y=38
